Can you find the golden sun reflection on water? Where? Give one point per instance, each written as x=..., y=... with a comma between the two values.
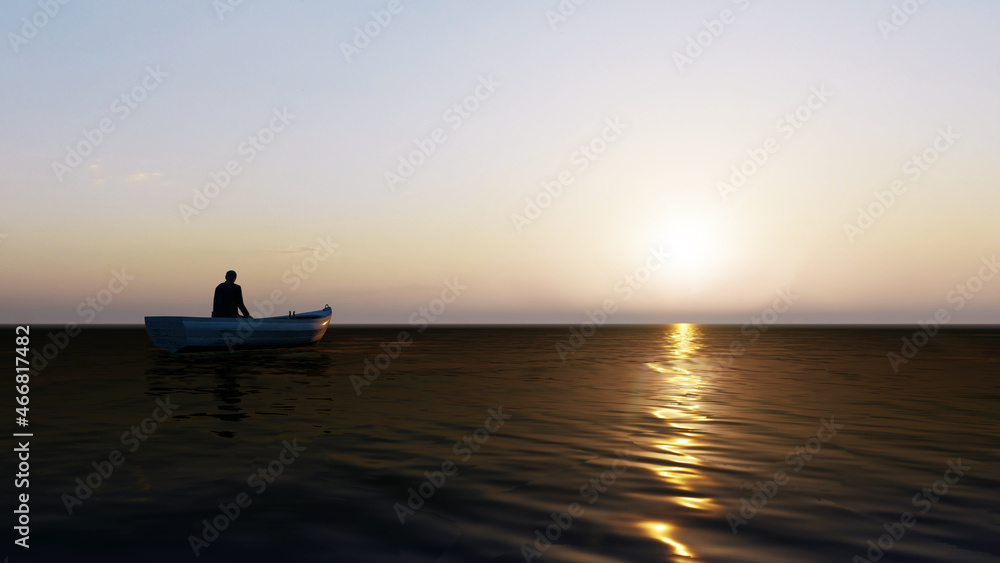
x=661, y=532
x=683, y=379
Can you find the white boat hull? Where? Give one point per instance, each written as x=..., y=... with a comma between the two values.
x=174, y=334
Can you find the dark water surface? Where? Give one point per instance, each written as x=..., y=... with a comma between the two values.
x=677, y=437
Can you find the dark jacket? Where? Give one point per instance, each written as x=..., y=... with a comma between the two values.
x=228, y=301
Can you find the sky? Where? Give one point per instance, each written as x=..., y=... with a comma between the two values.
x=501, y=162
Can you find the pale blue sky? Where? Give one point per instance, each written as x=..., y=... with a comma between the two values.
x=656, y=185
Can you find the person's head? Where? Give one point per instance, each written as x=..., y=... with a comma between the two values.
x=230, y=276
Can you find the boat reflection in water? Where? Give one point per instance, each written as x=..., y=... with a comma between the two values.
x=683, y=373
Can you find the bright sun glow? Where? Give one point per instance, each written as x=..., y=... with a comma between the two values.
x=695, y=245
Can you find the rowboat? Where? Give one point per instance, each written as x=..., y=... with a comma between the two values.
x=174, y=334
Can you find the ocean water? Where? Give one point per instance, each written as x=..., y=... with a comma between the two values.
x=648, y=443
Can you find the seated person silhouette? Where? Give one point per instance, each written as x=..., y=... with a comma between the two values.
x=229, y=298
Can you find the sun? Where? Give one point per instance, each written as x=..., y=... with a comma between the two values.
x=696, y=247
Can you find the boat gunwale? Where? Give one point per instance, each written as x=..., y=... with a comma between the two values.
x=272, y=332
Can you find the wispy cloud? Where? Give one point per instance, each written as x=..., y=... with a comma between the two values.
x=142, y=176
x=295, y=250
